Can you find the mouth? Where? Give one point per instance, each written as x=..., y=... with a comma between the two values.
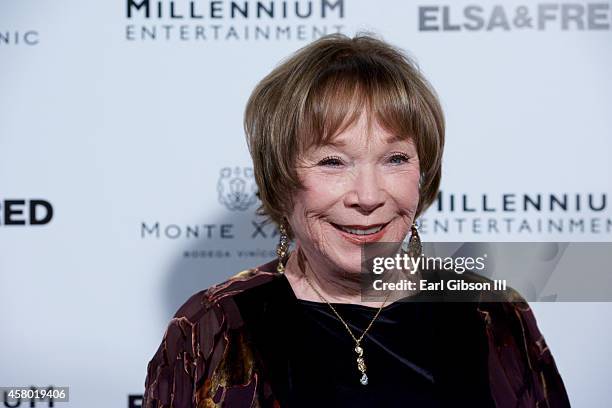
x=362, y=233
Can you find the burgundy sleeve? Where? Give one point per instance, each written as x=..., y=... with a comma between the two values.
x=548, y=385
x=178, y=370
x=169, y=381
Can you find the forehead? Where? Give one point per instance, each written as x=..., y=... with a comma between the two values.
x=364, y=131
x=355, y=107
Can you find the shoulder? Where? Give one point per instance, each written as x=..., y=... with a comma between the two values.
x=215, y=309
x=218, y=295
x=195, y=340
x=518, y=350
x=506, y=313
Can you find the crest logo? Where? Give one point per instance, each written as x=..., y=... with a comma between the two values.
x=237, y=188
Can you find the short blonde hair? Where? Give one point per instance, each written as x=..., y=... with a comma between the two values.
x=321, y=90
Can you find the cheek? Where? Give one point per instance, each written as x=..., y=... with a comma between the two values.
x=321, y=192
x=313, y=203
x=404, y=189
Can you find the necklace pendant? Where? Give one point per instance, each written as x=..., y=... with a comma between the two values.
x=364, y=379
x=361, y=365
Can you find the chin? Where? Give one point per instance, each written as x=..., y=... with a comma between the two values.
x=347, y=262
x=346, y=255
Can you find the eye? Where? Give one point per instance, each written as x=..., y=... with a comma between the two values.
x=331, y=161
x=399, y=158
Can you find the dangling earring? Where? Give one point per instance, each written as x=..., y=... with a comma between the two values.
x=282, y=247
x=415, y=247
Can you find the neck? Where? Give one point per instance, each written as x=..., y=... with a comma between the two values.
x=334, y=286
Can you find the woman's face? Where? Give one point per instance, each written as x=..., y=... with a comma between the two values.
x=354, y=187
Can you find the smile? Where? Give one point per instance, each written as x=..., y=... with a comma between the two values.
x=360, y=230
x=361, y=233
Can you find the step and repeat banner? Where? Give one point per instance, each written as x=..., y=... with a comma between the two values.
x=126, y=184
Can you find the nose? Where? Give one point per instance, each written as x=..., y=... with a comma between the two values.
x=366, y=194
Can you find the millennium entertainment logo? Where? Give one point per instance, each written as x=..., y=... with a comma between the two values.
x=519, y=214
x=215, y=20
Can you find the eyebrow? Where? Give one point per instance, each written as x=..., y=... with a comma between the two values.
x=336, y=143
x=393, y=139
x=341, y=143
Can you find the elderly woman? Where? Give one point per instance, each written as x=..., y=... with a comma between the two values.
x=346, y=138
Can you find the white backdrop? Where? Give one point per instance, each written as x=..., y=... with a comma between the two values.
x=123, y=126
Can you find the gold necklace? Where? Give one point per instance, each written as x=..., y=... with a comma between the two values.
x=358, y=349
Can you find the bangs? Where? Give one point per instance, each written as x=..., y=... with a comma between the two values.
x=349, y=88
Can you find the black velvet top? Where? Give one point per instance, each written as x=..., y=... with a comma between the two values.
x=250, y=342
x=417, y=354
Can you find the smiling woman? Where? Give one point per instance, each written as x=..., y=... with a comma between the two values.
x=346, y=137
x=363, y=87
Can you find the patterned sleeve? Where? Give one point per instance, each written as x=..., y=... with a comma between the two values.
x=547, y=383
x=178, y=370
x=522, y=371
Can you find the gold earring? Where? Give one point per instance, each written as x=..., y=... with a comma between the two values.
x=415, y=247
x=282, y=247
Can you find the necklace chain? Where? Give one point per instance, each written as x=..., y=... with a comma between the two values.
x=357, y=340
x=358, y=349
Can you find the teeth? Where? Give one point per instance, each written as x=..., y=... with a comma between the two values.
x=361, y=232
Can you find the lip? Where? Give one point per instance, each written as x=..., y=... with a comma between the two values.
x=361, y=227
x=362, y=239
